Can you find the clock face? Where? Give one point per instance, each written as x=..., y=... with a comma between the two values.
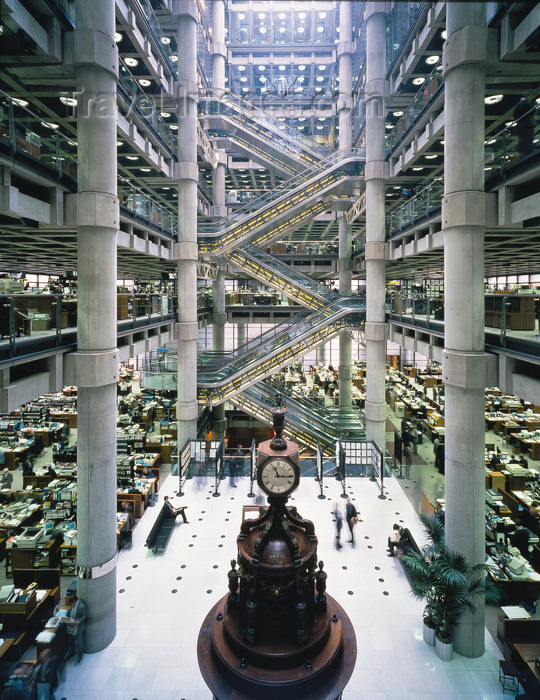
x=278, y=477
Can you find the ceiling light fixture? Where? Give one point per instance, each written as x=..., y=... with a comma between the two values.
x=241, y=68
x=399, y=113
x=132, y=157
x=174, y=127
x=146, y=170
x=144, y=82
x=165, y=40
x=493, y=99
x=418, y=81
x=432, y=60
x=69, y=101
x=23, y=103
x=118, y=37
x=50, y=125
x=165, y=115
x=431, y=156
x=131, y=62
x=417, y=169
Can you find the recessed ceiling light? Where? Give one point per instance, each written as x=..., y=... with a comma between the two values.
x=174, y=127
x=418, y=169
x=132, y=157
x=69, y=101
x=302, y=119
x=243, y=79
x=118, y=37
x=399, y=113
x=21, y=103
x=431, y=156
x=322, y=67
x=442, y=142
x=418, y=81
x=443, y=34
x=432, y=60
x=281, y=15
x=388, y=126
x=301, y=67
x=319, y=127
x=282, y=67
x=174, y=59
x=241, y=68
x=245, y=89
x=241, y=15
x=488, y=143
x=262, y=30
x=119, y=144
x=492, y=99
x=144, y=82
x=165, y=188
x=320, y=29
x=146, y=170
x=320, y=78
x=301, y=30
x=318, y=89
x=322, y=15
x=165, y=115
x=261, y=15
x=50, y=125
x=322, y=119
x=488, y=167
x=165, y=40
x=302, y=15
x=131, y=62
x=261, y=67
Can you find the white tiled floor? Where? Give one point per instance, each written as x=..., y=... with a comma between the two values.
x=163, y=599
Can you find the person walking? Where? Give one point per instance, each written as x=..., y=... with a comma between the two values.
x=339, y=524
x=351, y=515
x=408, y=459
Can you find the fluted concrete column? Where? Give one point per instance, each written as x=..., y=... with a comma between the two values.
x=96, y=360
x=187, y=250
x=464, y=360
x=345, y=239
x=219, y=54
x=376, y=330
x=219, y=319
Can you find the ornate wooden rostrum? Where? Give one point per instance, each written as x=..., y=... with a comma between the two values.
x=277, y=633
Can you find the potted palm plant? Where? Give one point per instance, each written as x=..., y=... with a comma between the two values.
x=448, y=583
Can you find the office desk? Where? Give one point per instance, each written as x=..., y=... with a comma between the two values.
x=527, y=653
x=14, y=455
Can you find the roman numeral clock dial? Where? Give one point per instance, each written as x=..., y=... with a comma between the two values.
x=278, y=477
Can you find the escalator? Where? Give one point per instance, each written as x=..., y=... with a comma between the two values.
x=256, y=132
x=277, y=211
x=219, y=380
x=307, y=422
x=282, y=277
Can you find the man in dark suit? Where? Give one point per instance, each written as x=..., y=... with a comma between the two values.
x=172, y=512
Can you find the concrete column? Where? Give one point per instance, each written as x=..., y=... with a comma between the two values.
x=96, y=360
x=55, y=368
x=464, y=360
x=323, y=354
x=219, y=53
x=376, y=330
x=241, y=334
x=345, y=239
x=219, y=318
x=187, y=407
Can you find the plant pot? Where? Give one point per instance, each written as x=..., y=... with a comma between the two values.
x=444, y=650
x=429, y=634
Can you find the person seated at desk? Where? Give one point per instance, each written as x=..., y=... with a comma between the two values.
x=172, y=512
x=147, y=473
x=50, y=471
x=534, y=509
x=523, y=462
x=27, y=469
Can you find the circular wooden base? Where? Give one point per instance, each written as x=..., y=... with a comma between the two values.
x=273, y=669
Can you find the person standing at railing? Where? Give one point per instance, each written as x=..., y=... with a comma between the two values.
x=525, y=117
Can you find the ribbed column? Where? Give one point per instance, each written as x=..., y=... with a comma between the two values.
x=219, y=53
x=464, y=360
x=219, y=319
x=376, y=331
x=345, y=239
x=96, y=360
x=187, y=250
